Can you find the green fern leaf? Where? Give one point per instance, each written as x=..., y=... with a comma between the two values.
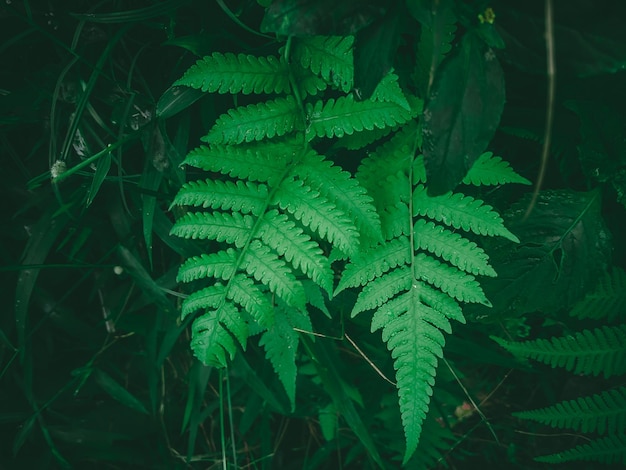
x=603, y=412
x=246, y=293
x=388, y=89
x=307, y=82
x=329, y=57
x=209, y=297
x=336, y=118
x=259, y=121
x=383, y=288
x=392, y=157
x=219, y=265
x=595, y=352
x=281, y=346
x=490, y=170
x=374, y=262
x=342, y=190
x=230, y=73
x=211, y=343
x=607, y=300
x=222, y=227
x=457, y=284
x=452, y=247
x=461, y=212
x=607, y=450
x=268, y=268
x=288, y=240
x=244, y=197
x=317, y=213
x=395, y=222
x=415, y=344
x=263, y=162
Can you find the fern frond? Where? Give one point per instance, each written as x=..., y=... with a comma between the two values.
x=230, y=73
x=415, y=344
x=383, y=288
x=281, y=346
x=239, y=196
x=246, y=293
x=317, y=213
x=392, y=157
x=395, y=222
x=452, y=247
x=209, y=297
x=330, y=57
x=307, y=82
x=268, y=268
x=374, y=262
x=336, y=118
x=595, y=352
x=607, y=300
x=453, y=282
x=233, y=228
x=388, y=89
x=603, y=412
x=342, y=190
x=461, y=212
x=288, y=240
x=219, y=265
x=259, y=121
x=491, y=170
x=264, y=162
x=211, y=343
x=607, y=450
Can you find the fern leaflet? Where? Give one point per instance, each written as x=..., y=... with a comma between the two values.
x=607, y=450
x=595, y=352
x=603, y=412
x=328, y=56
x=230, y=73
x=256, y=122
x=607, y=300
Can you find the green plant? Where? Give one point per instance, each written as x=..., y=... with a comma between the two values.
x=280, y=211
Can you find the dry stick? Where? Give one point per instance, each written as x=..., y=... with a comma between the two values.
x=378, y=371
x=549, y=108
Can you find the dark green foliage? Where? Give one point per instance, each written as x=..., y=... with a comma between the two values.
x=564, y=247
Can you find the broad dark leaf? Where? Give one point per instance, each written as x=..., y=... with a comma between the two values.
x=321, y=17
x=375, y=49
x=461, y=114
x=564, y=245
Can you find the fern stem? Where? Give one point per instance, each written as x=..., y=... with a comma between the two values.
x=230, y=420
x=293, y=83
x=222, y=430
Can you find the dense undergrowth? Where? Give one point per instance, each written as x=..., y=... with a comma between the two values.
x=234, y=235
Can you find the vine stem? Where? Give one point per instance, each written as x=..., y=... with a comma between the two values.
x=551, y=72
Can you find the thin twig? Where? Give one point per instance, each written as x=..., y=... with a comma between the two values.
x=378, y=371
x=545, y=151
